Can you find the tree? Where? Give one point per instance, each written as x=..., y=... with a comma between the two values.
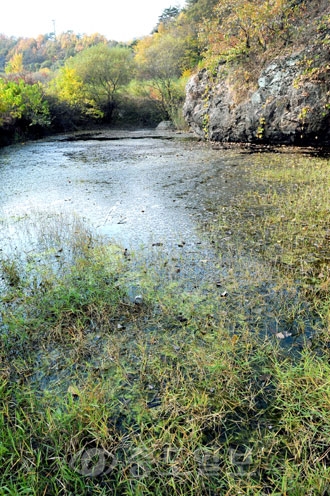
x=15, y=64
x=160, y=59
x=6, y=45
x=69, y=88
x=23, y=102
x=239, y=26
x=200, y=9
x=168, y=15
x=103, y=71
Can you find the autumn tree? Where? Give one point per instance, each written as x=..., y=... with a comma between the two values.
x=68, y=87
x=103, y=71
x=239, y=26
x=7, y=44
x=15, y=64
x=161, y=60
x=198, y=10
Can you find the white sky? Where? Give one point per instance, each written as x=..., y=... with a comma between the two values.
x=121, y=20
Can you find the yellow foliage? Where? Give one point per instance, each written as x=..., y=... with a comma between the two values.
x=186, y=74
x=239, y=25
x=15, y=64
x=69, y=86
x=141, y=49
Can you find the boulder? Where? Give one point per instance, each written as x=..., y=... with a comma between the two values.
x=166, y=126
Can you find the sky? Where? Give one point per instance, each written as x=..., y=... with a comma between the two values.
x=120, y=20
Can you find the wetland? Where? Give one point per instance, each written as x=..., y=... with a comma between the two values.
x=164, y=316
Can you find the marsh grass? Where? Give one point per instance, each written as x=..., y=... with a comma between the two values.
x=191, y=391
x=286, y=219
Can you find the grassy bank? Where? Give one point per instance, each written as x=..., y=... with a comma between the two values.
x=118, y=377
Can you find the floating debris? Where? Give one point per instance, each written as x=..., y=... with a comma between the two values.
x=283, y=335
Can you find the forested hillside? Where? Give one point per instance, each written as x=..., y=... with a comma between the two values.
x=268, y=77
x=58, y=83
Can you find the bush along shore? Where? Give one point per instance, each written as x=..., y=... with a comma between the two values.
x=117, y=379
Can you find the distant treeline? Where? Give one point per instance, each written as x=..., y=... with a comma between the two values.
x=58, y=83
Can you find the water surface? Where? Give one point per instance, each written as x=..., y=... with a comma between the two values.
x=149, y=193
x=134, y=186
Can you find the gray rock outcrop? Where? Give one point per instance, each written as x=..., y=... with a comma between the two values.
x=290, y=105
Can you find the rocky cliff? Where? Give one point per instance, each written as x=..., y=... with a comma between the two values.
x=290, y=103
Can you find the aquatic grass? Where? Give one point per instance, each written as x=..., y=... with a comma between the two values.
x=285, y=220
x=189, y=391
x=288, y=212
x=176, y=416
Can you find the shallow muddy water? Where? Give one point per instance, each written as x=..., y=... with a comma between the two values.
x=150, y=193
x=136, y=187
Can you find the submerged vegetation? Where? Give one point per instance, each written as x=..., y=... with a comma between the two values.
x=121, y=375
